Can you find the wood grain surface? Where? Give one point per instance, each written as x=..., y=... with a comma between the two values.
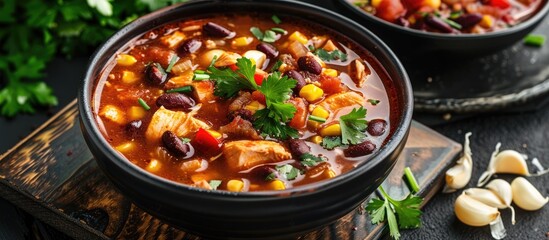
x=52, y=175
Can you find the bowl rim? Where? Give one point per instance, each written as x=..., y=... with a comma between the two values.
x=90, y=127
x=537, y=17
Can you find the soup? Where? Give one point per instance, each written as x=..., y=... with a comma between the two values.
x=452, y=16
x=245, y=103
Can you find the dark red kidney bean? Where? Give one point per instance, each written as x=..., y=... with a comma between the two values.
x=154, y=75
x=175, y=100
x=309, y=64
x=376, y=127
x=402, y=22
x=298, y=147
x=264, y=171
x=215, y=30
x=298, y=77
x=175, y=146
x=133, y=128
x=437, y=23
x=268, y=49
x=469, y=20
x=361, y=149
x=190, y=46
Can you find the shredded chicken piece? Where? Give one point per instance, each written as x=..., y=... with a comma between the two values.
x=181, y=123
x=245, y=154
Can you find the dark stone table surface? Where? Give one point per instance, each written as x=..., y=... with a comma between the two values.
x=523, y=128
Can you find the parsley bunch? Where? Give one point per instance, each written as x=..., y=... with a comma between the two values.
x=33, y=32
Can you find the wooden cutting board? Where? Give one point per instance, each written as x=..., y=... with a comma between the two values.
x=52, y=175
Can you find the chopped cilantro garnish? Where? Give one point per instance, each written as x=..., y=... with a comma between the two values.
x=185, y=140
x=330, y=56
x=278, y=30
x=288, y=171
x=455, y=14
x=373, y=101
x=317, y=119
x=276, y=66
x=215, y=184
x=331, y=142
x=452, y=23
x=311, y=160
x=160, y=68
x=270, y=177
x=271, y=127
x=403, y=214
x=268, y=36
x=276, y=19
x=353, y=126
x=311, y=48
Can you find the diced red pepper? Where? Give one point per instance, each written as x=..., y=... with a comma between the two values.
x=299, y=121
x=258, y=77
x=204, y=141
x=259, y=96
x=233, y=67
x=503, y=4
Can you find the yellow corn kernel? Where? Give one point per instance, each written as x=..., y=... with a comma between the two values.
x=197, y=177
x=311, y=92
x=214, y=133
x=320, y=112
x=375, y=3
x=136, y=112
x=114, y=114
x=241, y=41
x=316, y=139
x=313, y=124
x=125, y=147
x=487, y=21
x=129, y=77
x=153, y=165
x=235, y=185
x=331, y=130
x=125, y=60
x=254, y=106
x=297, y=36
x=329, y=72
x=329, y=173
x=435, y=4
x=277, y=185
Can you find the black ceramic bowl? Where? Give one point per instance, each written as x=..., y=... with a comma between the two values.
x=221, y=214
x=411, y=41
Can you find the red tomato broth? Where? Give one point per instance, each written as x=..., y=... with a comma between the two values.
x=110, y=90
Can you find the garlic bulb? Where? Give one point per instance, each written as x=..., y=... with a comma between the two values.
x=459, y=175
x=526, y=196
x=503, y=190
x=473, y=212
x=508, y=161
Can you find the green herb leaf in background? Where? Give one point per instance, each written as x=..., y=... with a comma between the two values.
x=33, y=32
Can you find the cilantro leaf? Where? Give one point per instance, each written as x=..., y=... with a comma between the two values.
x=276, y=66
x=331, y=142
x=353, y=125
x=403, y=214
x=331, y=56
x=311, y=160
x=267, y=36
x=229, y=82
x=288, y=171
x=271, y=127
x=215, y=184
x=373, y=101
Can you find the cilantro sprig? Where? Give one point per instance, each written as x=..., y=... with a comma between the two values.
x=276, y=89
x=331, y=56
x=311, y=160
x=353, y=126
x=399, y=214
x=331, y=142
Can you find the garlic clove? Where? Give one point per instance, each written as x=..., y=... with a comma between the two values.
x=473, y=212
x=503, y=190
x=526, y=196
x=511, y=161
x=486, y=175
x=459, y=175
x=485, y=196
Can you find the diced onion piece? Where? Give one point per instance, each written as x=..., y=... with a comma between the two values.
x=173, y=39
x=182, y=66
x=257, y=57
x=206, y=58
x=297, y=49
x=113, y=113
